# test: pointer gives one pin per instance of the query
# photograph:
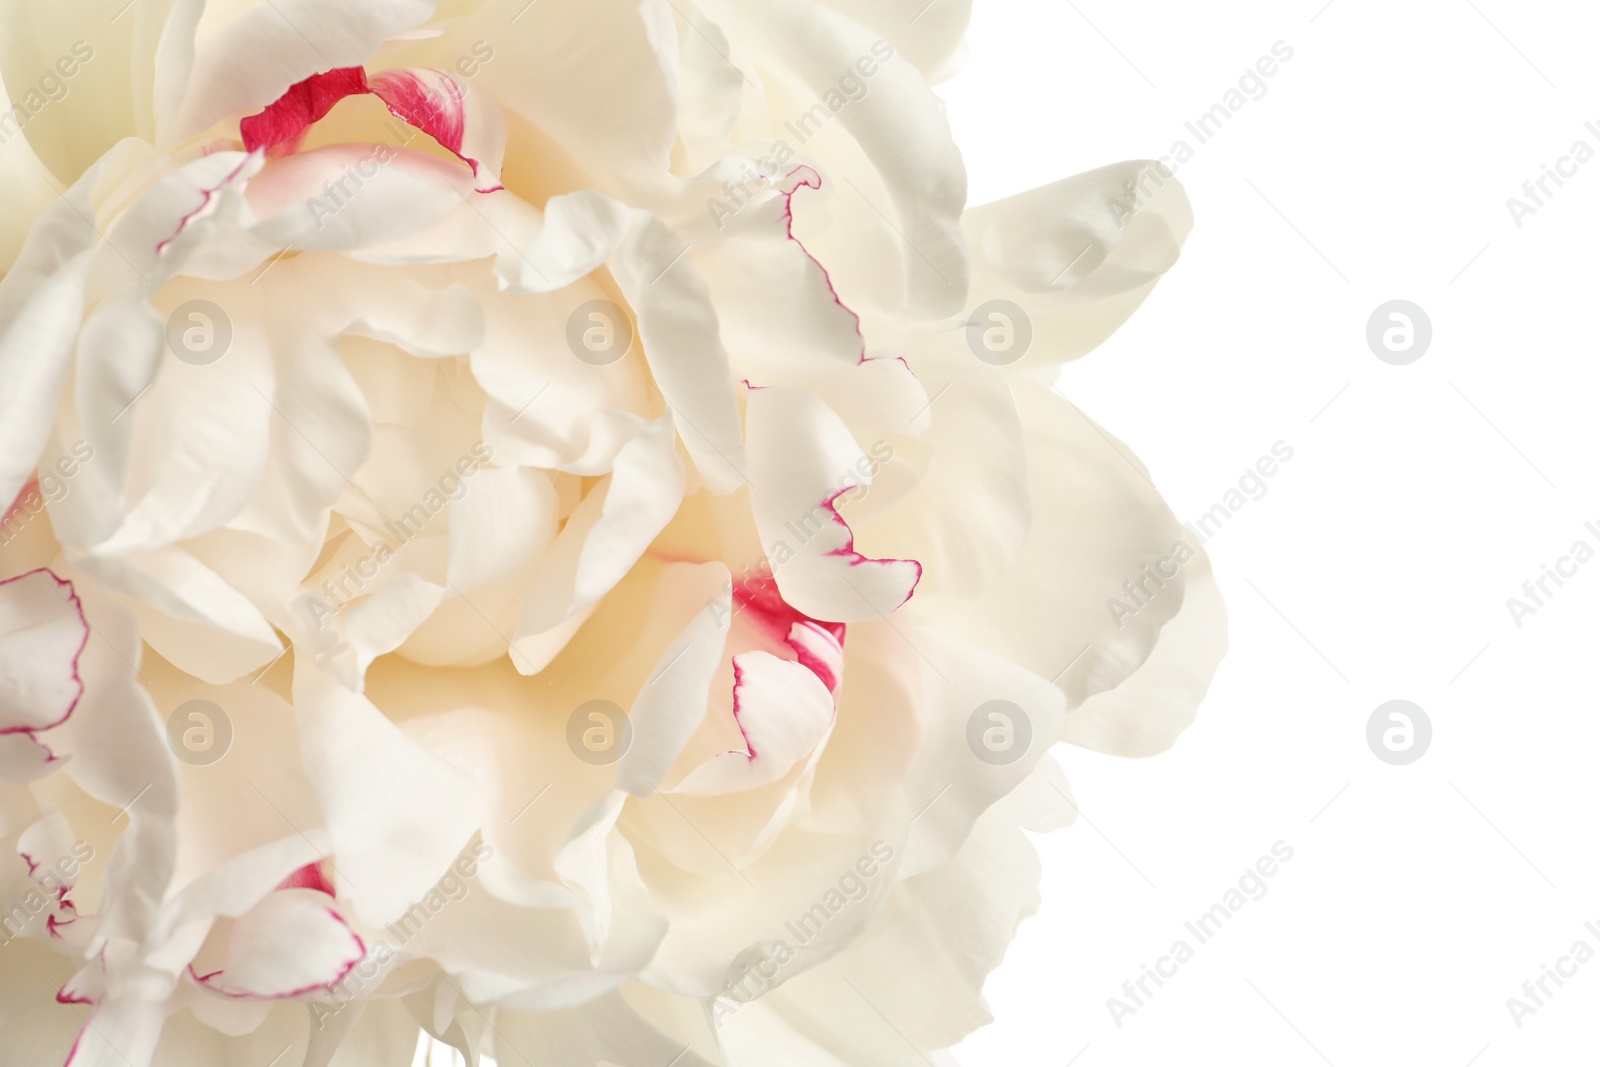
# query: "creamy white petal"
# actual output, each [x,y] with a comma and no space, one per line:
[1079,256]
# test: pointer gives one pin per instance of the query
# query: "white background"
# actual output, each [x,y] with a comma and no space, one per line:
[1378,564]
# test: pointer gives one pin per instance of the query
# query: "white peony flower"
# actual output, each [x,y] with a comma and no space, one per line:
[546,525]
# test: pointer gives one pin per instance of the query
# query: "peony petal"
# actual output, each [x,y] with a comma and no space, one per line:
[969,515]
[399,193]
[24,758]
[899,126]
[802,460]
[606,99]
[1099,527]
[290,944]
[609,1029]
[784,712]
[968,683]
[1079,256]
[119,1031]
[433,101]
[1149,709]
[933,39]
[254,59]
[189,614]
[466,123]
[670,706]
[119,756]
[26,186]
[280,128]
[500,526]
[602,540]
[776,302]
[391,846]
[43,633]
[119,352]
[47,847]
[35,354]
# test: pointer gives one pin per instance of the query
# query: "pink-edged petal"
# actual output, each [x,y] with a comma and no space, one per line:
[784,712]
[47,848]
[914,172]
[814,279]
[310,876]
[290,944]
[776,303]
[24,758]
[467,124]
[42,635]
[285,121]
[88,986]
[802,460]
[817,646]
[243,64]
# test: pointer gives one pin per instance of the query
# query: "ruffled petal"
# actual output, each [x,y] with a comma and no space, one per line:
[802,460]
[42,636]
[290,944]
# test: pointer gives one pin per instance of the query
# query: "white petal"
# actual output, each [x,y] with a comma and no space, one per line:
[1148,710]
[670,707]
[607,99]
[502,524]
[784,712]
[1060,607]
[35,353]
[42,635]
[397,815]
[391,196]
[118,754]
[120,1031]
[290,944]
[900,128]
[1076,267]
[603,539]
[802,458]
[119,352]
